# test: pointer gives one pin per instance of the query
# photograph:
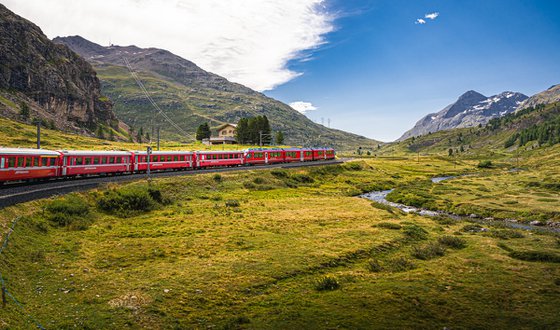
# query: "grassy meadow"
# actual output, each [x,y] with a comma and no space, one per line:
[285,249]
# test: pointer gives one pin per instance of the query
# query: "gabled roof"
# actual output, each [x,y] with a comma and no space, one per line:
[225,125]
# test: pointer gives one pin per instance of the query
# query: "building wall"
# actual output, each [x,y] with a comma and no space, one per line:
[227,131]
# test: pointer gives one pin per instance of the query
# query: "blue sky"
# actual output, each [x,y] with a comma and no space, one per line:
[380,71]
[367,65]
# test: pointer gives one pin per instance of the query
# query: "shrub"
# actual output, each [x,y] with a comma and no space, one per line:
[71,212]
[249,185]
[535,256]
[382,206]
[353,166]
[302,178]
[279,173]
[258,180]
[130,200]
[484,164]
[415,232]
[452,242]
[506,234]
[232,203]
[401,264]
[327,282]
[429,251]
[374,266]
[472,228]
[217,177]
[389,225]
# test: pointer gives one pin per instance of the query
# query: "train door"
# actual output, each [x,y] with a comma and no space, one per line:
[266,157]
[325,154]
[64,164]
[136,163]
[301,153]
[2,162]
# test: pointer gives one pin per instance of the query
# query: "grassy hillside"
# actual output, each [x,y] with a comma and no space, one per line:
[278,249]
[190,107]
[20,135]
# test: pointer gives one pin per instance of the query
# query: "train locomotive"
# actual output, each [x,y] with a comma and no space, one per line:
[17,164]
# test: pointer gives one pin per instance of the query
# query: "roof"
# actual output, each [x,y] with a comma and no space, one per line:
[27,151]
[164,152]
[221,152]
[225,125]
[95,153]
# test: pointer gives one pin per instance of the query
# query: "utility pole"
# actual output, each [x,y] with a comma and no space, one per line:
[38,133]
[158,138]
[148,153]
[260,139]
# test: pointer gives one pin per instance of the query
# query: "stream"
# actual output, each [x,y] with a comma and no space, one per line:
[380,197]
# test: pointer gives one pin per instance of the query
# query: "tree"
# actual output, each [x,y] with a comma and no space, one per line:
[462,149]
[279,137]
[100,132]
[24,110]
[111,135]
[265,130]
[148,136]
[203,132]
[139,135]
[450,152]
[242,131]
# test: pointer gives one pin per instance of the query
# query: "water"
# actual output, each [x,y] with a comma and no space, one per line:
[381,197]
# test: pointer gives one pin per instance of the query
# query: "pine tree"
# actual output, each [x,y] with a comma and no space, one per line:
[279,137]
[450,151]
[242,131]
[24,111]
[100,132]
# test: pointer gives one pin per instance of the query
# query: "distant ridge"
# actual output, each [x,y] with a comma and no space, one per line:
[471,109]
[548,96]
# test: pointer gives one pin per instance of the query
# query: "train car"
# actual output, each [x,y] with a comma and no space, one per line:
[264,156]
[329,153]
[319,154]
[28,164]
[293,155]
[163,160]
[82,163]
[218,158]
[307,154]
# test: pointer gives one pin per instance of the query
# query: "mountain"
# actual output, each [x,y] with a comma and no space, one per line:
[47,79]
[470,110]
[191,96]
[550,95]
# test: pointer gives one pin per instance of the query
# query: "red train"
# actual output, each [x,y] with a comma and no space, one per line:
[39,164]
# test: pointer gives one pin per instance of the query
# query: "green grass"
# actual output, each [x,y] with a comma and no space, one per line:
[212,252]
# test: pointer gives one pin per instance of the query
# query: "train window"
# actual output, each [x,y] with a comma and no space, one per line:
[79,161]
[118,160]
[111,160]
[175,158]
[44,162]
[35,161]
[20,161]
[2,164]
[12,162]
[169,158]
[87,161]
[103,160]
[96,160]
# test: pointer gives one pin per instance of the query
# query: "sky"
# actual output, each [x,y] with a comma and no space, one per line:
[370,67]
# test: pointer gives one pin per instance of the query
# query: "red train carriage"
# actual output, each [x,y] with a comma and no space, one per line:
[307,154]
[163,160]
[27,164]
[264,156]
[218,158]
[95,162]
[319,154]
[293,155]
[329,153]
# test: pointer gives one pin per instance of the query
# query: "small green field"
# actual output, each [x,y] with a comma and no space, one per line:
[281,249]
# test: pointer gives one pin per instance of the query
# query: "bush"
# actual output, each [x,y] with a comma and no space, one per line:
[506,234]
[232,203]
[401,264]
[353,166]
[382,206]
[452,242]
[72,212]
[279,173]
[535,256]
[389,225]
[327,282]
[258,180]
[374,266]
[217,177]
[472,228]
[130,200]
[484,164]
[415,232]
[428,251]
[302,178]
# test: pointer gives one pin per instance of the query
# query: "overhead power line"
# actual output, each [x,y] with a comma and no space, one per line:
[159,111]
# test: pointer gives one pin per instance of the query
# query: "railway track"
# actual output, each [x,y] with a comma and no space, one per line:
[13,194]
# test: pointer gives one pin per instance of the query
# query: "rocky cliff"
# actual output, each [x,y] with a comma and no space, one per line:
[55,82]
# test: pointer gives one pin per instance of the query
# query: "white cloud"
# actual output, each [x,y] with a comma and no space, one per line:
[302,106]
[246,41]
[420,21]
[432,16]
